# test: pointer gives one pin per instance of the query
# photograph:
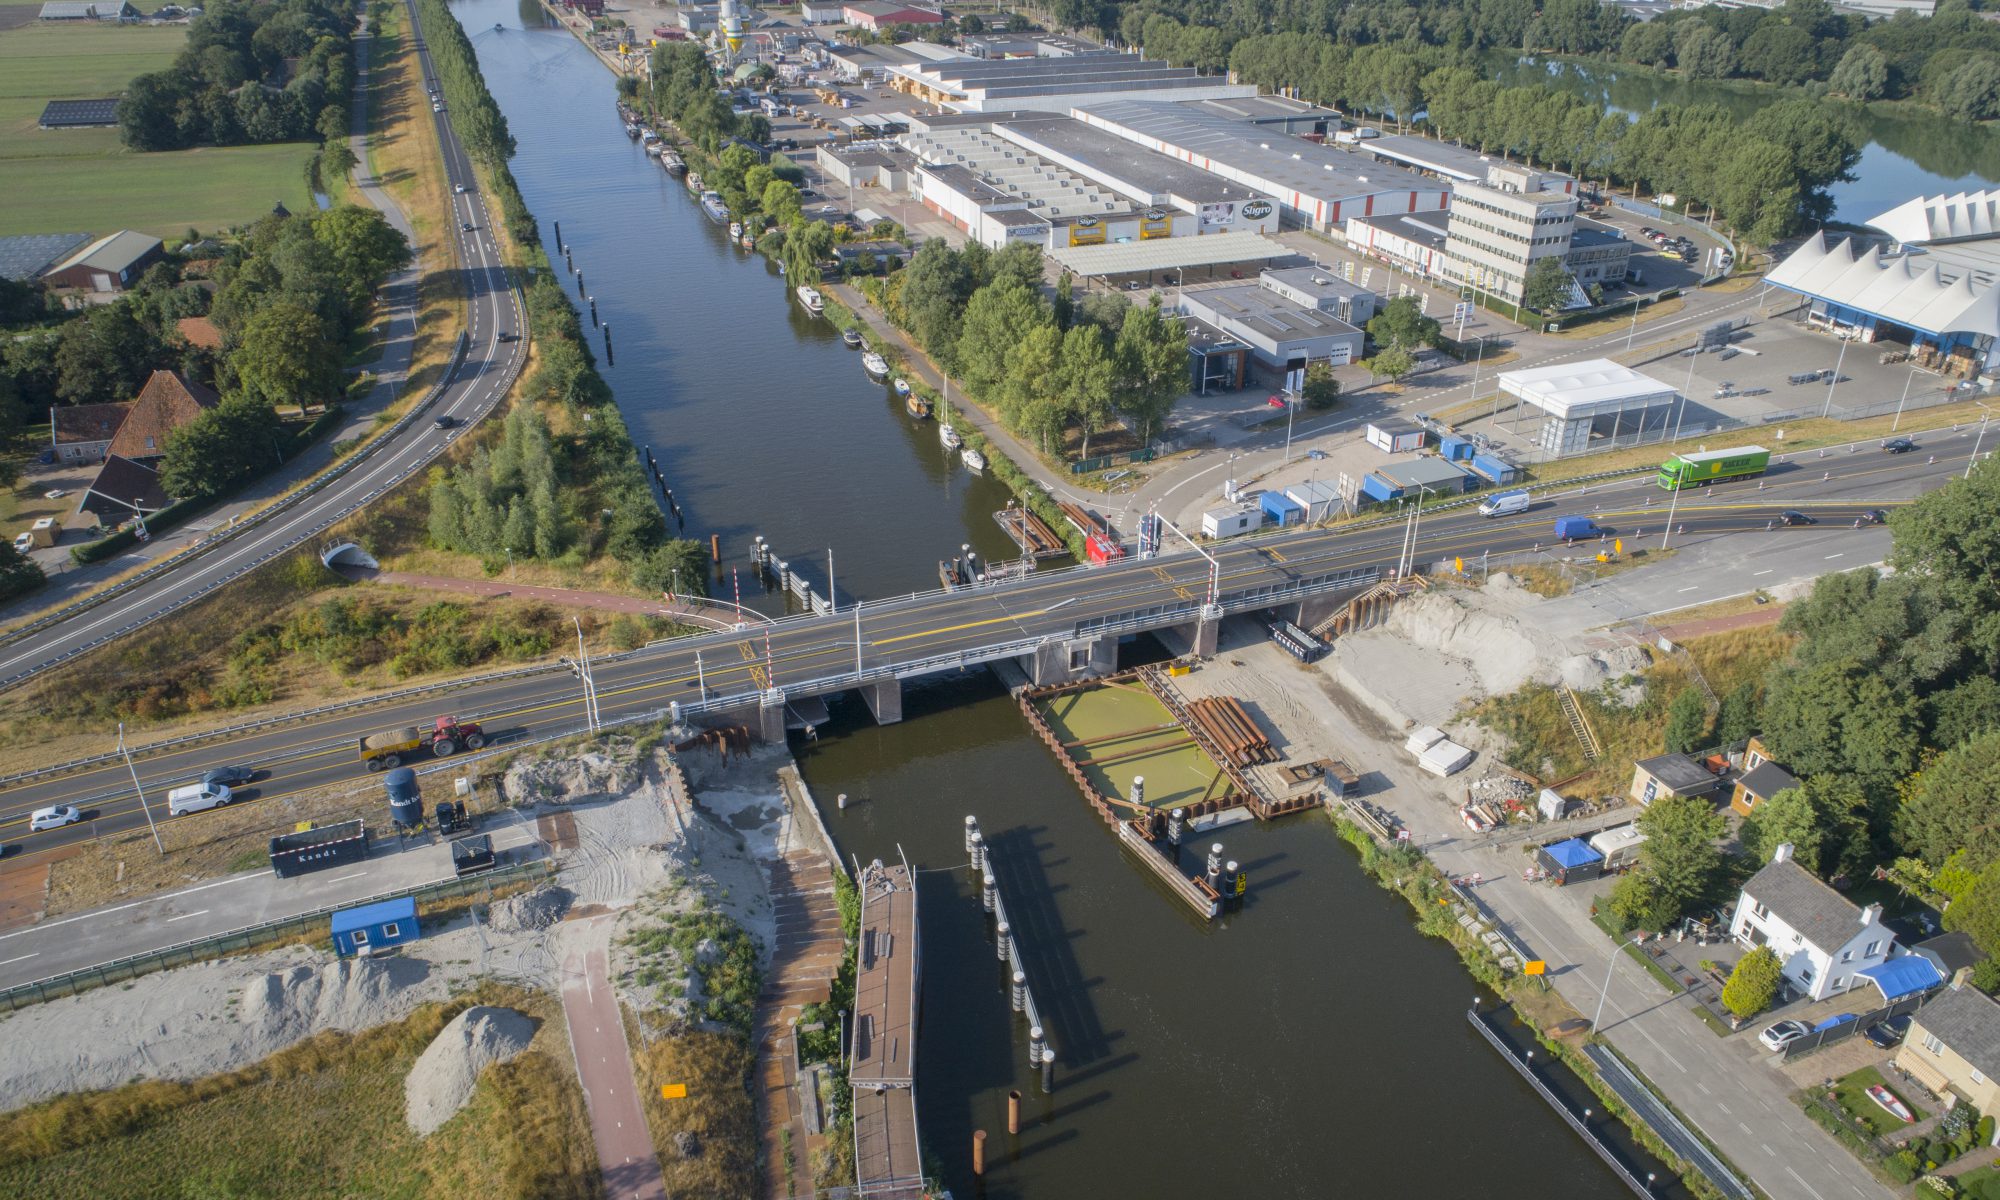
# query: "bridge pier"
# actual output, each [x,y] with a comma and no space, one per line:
[1067,661]
[1195,639]
[771,716]
[885,700]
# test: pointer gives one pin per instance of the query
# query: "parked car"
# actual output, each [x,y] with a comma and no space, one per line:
[1646,231]
[229,776]
[1899,445]
[1782,1034]
[1793,516]
[24,542]
[55,816]
[1887,1034]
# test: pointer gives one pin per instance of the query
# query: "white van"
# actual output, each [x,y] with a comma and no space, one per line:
[196,797]
[1504,504]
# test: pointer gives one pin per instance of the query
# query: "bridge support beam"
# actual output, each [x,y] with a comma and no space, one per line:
[1196,639]
[1066,661]
[771,716]
[885,700]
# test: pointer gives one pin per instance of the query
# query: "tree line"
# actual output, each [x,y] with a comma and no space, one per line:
[1040,364]
[475,116]
[250,72]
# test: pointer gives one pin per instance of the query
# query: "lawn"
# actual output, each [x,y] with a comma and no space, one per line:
[84,180]
[324,1118]
[1851,1093]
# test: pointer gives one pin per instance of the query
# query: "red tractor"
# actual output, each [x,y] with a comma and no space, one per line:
[447,735]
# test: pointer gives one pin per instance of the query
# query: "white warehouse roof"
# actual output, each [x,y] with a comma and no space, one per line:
[1906,289]
[1943,218]
[1166,254]
[1585,389]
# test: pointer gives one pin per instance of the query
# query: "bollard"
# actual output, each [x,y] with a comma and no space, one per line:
[1048,1068]
[971,822]
[840,802]
[989,892]
[979,1152]
[1014,1111]
[1005,931]
[978,851]
[1174,820]
[1035,1045]
[1215,866]
[1020,994]
[1138,790]
[715,546]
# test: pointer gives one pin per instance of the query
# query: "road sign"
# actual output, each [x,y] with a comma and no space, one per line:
[1458,565]
[1535,967]
[673,1091]
[1618,546]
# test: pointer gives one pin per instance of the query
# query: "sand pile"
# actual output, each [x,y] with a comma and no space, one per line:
[566,780]
[352,993]
[444,1075]
[530,911]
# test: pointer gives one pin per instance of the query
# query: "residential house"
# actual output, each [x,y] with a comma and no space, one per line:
[122,490]
[168,401]
[1820,937]
[1670,775]
[1757,785]
[109,264]
[1953,954]
[81,433]
[1953,1047]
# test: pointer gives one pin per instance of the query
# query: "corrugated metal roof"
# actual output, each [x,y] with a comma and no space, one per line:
[1935,295]
[1585,388]
[1165,254]
[112,253]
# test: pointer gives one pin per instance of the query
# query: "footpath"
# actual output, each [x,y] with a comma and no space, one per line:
[395,336]
[625,1152]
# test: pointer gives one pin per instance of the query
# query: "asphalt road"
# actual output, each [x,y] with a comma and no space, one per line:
[475,387]
[312,752]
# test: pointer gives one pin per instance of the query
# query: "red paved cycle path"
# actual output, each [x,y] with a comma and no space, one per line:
[604,1065]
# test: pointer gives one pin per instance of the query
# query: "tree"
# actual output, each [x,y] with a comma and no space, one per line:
[1322,390]
[19,574]
[1976,910]
[1778,53]
[365,249]
[1703,52]
[931,298]
[219,449]
[1687,722]
[103,356]
[1401,322]
[1679,855]
[1754,983]
[1736,720]
[1971,92]
[1394,362]
[286,357]
[680,566]
[1949,805]
[1825,819]
[1085,376]
[1152,367]
[1637,903]
[780,202]
[807,246]
[996,320]
[1649,43]
[1547,286]
[1863,73]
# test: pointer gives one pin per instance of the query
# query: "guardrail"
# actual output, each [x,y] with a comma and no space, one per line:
[248,937]
[1584,1131]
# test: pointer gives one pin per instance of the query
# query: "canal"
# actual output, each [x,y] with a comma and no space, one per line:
[1312,1044]
[1907,151]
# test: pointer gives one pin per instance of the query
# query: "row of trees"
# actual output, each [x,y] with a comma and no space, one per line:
[250,72]
[1766,175]
[1040,365]
[475,116]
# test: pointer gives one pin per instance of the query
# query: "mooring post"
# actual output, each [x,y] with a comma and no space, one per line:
[610,357]
[1138,791]
[593,312]
[971,824]
[579,283]
[979,1152]
[989,891]
[1215,867]
[1235,876]
[1174,820]
[1014,1111]
[978,851]
[1020,993]
[1048,1068]
[559,241]
[1004,935]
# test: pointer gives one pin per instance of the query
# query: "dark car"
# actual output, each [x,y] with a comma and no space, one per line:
[466,226]
[446,422]
[1886,1034]
[507,336]
[1793,516]
[1874,516]
[229,776]
[1899,445]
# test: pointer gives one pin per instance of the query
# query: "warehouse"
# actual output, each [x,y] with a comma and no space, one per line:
[1055,85]
[1585,402]
[879,164]
[1439,159]
[1318,288]
[1174,194]
[1282,334]
[1315,187]
[109,264]
[1172,261]
[1410,241]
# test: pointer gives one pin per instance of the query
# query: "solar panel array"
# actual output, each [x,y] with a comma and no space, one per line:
[76,114]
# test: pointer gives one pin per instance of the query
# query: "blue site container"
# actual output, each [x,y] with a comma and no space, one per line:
[1455,448]
[1499,470]
[371,927]
[1282,509]
[1375,487]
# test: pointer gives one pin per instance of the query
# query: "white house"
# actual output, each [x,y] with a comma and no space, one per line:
[1821,938]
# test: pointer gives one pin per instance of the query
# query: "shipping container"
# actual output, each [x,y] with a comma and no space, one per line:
[1375,487]
[1232,520]
[317,849]
[1393,438]
[1495,469]
[1455,448]
[1282,509]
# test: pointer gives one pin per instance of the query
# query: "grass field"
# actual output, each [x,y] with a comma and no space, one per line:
[324,1118]
[1122,721]
[83,180]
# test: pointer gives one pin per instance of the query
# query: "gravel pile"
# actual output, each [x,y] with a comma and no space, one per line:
[351,993]
[444,1075]
[566,780]
[530,911]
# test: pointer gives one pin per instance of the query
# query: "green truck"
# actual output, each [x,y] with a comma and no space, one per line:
[1713,466]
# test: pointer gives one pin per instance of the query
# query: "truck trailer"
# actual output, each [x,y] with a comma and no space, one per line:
[382,751]
[1713,466]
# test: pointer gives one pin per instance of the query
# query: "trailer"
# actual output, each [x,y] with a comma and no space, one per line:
[317,848]
[470,856]
[1713,466]
[1296,642]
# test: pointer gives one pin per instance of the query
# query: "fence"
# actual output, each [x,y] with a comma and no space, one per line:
[1835,1034]
[249,937]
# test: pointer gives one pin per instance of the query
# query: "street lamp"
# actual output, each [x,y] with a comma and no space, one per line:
[1416,517]
[1634,331]
[1841,358]
[1603,992]
[584,673]
[1905,400]
[1976,441]
[139,791]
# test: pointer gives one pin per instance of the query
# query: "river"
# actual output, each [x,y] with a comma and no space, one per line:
[1312,1044]
[1908,151]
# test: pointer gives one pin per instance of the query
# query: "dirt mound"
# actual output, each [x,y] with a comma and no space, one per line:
[530,911]
[444,1075]
[282,1007]
[588,776]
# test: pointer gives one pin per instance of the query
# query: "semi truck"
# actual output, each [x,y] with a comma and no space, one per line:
[446,736]
[1713,466]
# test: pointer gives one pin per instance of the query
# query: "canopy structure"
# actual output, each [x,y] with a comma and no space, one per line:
[1909,975]
[1572,854]
[1910,289]
[1583,402]
[1168,254]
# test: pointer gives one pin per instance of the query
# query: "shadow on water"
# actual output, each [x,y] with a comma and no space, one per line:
[1045,944]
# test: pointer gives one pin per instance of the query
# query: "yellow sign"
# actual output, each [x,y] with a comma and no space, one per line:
[1536,967]
[1156,224]
[1458,565]
[673,1091]
[1618,546]
[1087,232]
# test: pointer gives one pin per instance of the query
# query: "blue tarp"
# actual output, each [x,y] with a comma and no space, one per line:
[1572,854]
[1900,977]
[1830,1022]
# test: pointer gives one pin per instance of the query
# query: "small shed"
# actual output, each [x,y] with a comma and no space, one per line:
[1320,499]
[371,927]
[1572,861]
[1759,784]
[1231,520]
[1620,846]
[1551,804]
[1282,509]
[1669,775]
[1395,437]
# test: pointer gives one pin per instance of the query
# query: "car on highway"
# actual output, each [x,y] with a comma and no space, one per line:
[508,336]
[197,797]
[232,776]
[55,816]
[446,422]
[461,189]
[1874,516]
[1793,516]
[1886,1034]
[1783,1034]
[1899,445]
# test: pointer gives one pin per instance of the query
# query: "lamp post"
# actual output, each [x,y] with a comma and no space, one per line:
[1671,506]
[140,792]
[1603,992]
[1416,518]
[583,672]
[1976,441]
[1905,400]
[1634,331]
[1841,358]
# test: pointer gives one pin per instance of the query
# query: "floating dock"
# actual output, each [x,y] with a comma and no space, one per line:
[882,1058]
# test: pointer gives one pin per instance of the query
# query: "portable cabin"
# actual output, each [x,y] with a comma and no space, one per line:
[371,927]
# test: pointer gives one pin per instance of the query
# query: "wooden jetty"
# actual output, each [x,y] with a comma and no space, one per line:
[882,1059]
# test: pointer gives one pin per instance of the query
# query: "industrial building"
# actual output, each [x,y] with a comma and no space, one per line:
[1931,289]
[1583,402]
[877,15]
[1028,45]
[1055,84]
[881,164]
[1319,288]
[1498,229]
[1315,187]
[1282,334]
[1412,242]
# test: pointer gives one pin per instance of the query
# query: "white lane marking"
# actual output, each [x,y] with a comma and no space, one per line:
[1842,554]
[1690,589]
[105,912]
[345,878]
[185,916]
[1802,1183]
[22,958]
[1765,571]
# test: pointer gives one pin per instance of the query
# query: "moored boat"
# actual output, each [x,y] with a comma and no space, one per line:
[736,229]
[631,131]
[810,297]
[972,458]
[902,387]
[711,203]
[852,337]
[673,162]
[1890,1104]
[949,436]
[875,365]
[917,406]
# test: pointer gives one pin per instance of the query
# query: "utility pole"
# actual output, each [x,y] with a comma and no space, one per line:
[1841,358]
[1977,441]
[583,673]
[1905,400]
[140,792]
[1671,505]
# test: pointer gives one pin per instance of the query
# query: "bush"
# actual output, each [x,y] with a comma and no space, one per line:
[1984,1132]
[1901,1166]
[1753,984]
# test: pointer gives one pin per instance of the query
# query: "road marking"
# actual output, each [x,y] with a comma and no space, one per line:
[1704,1088]
[1690,589]
[1765,571]
[105,912]
[345,878]
[185,916]
[1802,1183]
[1842,554]
[22,958]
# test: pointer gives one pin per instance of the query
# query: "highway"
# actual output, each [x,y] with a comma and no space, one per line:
[473,389]
[311,752]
